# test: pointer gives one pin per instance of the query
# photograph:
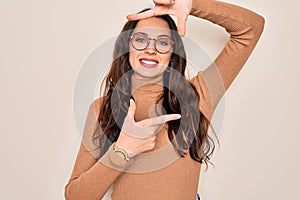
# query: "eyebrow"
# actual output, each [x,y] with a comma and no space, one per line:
[163,35]
[169,36]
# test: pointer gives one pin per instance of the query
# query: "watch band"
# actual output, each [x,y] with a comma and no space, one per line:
[121,152]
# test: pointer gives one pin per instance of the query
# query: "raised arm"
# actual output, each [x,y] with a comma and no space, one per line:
[244,27]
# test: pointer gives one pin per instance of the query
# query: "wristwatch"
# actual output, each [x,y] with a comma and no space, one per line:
[121,152]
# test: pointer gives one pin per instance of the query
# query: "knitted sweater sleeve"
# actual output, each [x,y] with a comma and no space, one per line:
[91,177]
[245,28]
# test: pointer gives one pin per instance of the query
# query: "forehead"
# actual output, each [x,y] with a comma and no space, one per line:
[153,27]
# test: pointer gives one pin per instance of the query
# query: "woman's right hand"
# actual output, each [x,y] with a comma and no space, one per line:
[179,8]
[137,137]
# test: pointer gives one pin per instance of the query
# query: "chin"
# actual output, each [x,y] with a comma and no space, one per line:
[149,72]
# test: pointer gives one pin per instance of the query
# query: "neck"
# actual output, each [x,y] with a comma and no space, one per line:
[138,81]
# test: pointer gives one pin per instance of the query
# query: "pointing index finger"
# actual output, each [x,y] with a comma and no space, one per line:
[143,15]
[164,2]
[164,118]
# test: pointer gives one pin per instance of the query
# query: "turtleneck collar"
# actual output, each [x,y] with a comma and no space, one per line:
[154,84]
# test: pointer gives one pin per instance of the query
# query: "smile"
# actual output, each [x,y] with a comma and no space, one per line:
[149,63]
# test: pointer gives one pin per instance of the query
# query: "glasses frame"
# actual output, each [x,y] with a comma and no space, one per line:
[148,42]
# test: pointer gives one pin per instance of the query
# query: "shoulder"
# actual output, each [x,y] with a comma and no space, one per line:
[96,105]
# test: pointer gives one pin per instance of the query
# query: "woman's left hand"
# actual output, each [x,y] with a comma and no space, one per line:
[179,8]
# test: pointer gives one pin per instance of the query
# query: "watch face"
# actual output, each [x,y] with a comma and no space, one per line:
[121,154]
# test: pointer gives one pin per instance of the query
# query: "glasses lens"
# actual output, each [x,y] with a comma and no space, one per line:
[163,44]
[139,41]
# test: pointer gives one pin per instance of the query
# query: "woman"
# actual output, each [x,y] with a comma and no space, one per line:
[159,155]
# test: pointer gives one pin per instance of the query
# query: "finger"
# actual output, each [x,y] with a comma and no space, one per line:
[152,138]
[131,109]
[143,15]
[154,130]
[182,25]
[156,11]
[164,2]
[144,123]
[147,129]
[163,119]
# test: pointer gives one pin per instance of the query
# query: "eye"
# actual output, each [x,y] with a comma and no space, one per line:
[163,42]
[140,39]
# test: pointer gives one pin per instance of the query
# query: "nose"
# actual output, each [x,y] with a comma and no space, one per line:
[151,47]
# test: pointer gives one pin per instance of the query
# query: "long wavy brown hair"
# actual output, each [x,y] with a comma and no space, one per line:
[189,134]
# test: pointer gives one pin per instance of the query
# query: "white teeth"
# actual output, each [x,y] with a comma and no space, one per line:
[148,62]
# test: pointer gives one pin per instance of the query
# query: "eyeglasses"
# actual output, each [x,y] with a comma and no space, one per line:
[140,41]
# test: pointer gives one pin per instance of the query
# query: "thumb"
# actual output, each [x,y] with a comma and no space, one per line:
[131,109]
[182,25]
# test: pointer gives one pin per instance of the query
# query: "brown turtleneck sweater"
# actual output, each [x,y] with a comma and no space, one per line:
[164,175]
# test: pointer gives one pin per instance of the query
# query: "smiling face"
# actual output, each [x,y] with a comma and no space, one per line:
[150,63]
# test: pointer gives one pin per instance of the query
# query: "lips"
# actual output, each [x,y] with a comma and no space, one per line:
[148,62]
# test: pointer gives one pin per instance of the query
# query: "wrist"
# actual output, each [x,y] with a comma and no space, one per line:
[121,152]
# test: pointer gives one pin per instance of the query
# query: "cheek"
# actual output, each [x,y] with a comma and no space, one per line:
[166,59]
[132,60]
[132,55]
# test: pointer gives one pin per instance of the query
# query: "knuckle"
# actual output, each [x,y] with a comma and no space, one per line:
[152,145]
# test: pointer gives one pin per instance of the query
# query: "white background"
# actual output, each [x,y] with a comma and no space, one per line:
[42,47]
